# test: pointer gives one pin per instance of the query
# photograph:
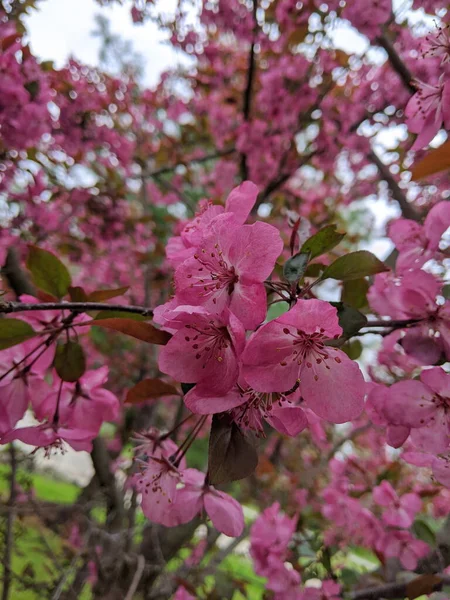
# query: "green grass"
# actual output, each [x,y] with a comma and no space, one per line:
[44,486]
[39,555]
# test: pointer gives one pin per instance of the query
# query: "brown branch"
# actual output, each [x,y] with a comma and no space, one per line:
[114,497]
[192,161]
[9,535]
[391,590]
[248,88]
[396,62]
[397,193]
[14,307]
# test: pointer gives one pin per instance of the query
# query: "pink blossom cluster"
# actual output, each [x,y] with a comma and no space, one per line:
[270,537]
[221,266]
[24,92]
[66,412]
[173,494]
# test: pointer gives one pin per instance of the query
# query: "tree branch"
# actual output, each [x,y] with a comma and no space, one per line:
[391,590]
[396,62]
[248,88]
[14,307]
[192,161]
[397,193]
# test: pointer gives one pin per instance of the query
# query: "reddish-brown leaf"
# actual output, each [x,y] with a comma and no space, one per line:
[149,389]
[435,161]
[141,330]
[422,586]
[101,295]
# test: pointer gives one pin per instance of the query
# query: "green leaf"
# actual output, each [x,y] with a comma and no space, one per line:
[70,362]
[295,267]
[423,532]
[314,269]
[101,295]
[48,272]
[231,457]
[77,294]
[352,349]
[276,310]
[322,241]
[13,332]
[354,266]
[350,319]
[354,293]
[119,314]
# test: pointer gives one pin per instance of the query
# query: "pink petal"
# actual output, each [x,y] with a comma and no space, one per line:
[209,405]
[306,316]
[434,436]
[437,380]
[288,420]
[241,200]
[249,303]
[437,222]
[384,494]
[409,403]
[225,513]
[335,388]
[254,250]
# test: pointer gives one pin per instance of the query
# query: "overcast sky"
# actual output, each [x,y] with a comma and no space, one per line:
[62,28]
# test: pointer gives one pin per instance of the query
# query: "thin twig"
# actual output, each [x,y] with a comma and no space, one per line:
[137,578]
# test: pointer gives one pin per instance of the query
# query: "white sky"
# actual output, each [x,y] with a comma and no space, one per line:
[62,28]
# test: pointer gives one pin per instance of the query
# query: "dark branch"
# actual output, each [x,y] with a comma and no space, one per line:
[391,590]
[192,161]
[397,193]
[397,64]
[80,307]
[249,87]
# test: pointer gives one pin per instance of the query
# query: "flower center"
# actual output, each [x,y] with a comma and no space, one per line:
[218,274]
[209,341]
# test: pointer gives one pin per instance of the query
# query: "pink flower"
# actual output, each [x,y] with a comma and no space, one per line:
[204,350]
[425,407]
[270,535]
[292,349]
[228,269]
[400,511]
[183,594]
[239,203]
[427,110]
[249,408]
[51,436]
[419,243]
[158,485]
[396,435]
[401,545]
[84,405]
[438,44]
[224,511]
[439,464]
